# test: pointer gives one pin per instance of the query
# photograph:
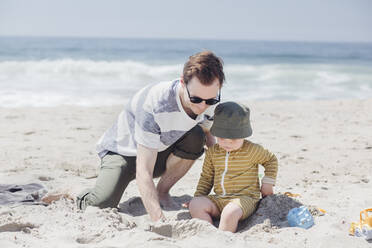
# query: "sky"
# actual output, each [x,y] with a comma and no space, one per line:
[312,20]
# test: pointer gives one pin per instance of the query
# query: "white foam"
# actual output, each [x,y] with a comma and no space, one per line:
[95,83]
[298,81]
[77,82]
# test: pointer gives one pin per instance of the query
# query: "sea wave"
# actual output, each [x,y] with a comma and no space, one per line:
[95,83]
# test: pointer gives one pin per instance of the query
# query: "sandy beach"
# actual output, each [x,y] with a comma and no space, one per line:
[325,155]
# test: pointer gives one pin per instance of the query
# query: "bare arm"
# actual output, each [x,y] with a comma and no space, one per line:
[211,140]
[205,183]
[270,163]
[146,158]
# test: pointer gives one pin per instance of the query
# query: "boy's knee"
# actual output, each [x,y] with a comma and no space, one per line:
[232,211]
[193,205]
[201,204]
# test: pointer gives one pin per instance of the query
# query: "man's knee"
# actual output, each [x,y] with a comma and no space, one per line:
[191,146]
[196,136]
[113,178]
[90,197]
[81,199]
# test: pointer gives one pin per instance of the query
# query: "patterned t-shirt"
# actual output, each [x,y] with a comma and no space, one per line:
[154,118]
[235,173]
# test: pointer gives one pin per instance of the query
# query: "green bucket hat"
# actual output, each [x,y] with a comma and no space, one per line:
[231,121]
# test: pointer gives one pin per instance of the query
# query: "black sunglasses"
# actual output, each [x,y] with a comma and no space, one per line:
[210,101]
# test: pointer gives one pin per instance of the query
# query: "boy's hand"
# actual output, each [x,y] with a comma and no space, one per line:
[267,189]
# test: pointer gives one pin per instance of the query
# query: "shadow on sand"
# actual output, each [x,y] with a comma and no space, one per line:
[271,212]
[135,207]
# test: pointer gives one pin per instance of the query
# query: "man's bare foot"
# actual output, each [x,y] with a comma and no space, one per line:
[55,197]
[167,203]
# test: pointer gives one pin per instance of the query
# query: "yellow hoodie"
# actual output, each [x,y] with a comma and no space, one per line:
[235,173]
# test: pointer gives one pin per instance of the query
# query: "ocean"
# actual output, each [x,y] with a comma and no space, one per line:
[42,71]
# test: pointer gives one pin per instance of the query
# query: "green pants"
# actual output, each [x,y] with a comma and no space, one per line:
[117,171]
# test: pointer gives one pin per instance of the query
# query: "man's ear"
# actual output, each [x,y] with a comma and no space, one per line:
[182,81]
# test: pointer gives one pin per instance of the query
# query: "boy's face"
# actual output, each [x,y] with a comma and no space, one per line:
[230,144]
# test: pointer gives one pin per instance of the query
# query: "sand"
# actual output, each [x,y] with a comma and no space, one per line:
[325,155]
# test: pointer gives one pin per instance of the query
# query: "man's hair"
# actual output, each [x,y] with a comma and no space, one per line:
[206,66]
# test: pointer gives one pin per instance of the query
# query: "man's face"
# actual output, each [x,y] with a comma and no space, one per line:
[197,89]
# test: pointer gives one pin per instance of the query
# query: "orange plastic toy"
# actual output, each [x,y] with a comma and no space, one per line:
[364,227]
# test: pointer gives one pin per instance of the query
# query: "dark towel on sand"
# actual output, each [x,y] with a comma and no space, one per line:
[22,194]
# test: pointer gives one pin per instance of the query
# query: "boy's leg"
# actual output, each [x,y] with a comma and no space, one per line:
[114,176]
[237,209]
[203,208]
[178,161]
[230,216]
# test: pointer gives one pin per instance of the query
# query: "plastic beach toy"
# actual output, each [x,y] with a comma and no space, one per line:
[364,227]
[289,194]
[300,217]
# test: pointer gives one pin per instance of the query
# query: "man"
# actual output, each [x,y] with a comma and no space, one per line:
[161,132]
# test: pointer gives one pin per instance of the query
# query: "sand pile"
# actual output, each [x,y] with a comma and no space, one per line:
[62,221]
[271,214]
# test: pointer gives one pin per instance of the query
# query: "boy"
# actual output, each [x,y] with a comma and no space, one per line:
[231,167]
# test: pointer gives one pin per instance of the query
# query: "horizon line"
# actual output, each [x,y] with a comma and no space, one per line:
[179,38]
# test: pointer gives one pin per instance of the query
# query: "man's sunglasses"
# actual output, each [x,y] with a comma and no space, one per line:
[210,101]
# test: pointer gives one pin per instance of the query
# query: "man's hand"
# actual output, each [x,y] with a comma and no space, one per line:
[146,159]
[267,189]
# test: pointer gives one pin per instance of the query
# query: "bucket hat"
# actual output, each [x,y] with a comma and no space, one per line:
[231,121]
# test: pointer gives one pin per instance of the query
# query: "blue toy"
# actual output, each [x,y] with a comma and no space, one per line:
[300,217]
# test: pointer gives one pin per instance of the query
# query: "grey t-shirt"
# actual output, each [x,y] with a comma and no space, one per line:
[154,118]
